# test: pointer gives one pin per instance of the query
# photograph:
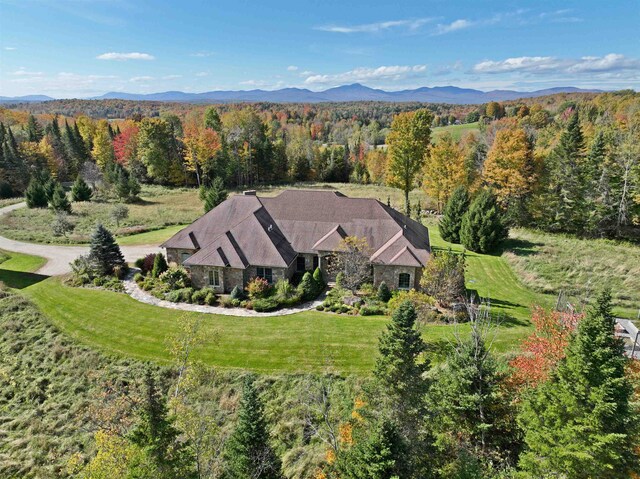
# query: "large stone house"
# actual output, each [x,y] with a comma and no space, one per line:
[275,237]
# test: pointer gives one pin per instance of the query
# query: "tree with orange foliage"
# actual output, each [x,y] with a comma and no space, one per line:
[544,348]
[201,145]
[125,143]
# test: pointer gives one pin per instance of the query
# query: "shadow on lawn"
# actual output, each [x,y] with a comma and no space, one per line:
[20,280]
[518,247]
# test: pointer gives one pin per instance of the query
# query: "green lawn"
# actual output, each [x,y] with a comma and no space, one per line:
[309,341]
[457,131]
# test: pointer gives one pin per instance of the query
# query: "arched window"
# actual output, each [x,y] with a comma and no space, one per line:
[404,281]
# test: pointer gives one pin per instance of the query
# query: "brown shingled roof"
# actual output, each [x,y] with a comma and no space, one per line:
[271,231]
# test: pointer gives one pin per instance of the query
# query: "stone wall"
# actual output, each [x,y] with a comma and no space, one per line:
[276,273]
[389,274]
[174,255]
[229,278]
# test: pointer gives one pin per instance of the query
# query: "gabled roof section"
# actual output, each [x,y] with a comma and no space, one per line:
[331,240]
[405,257]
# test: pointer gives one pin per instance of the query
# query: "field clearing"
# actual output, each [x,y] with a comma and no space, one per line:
[10,201]
[550,263]
[457,131]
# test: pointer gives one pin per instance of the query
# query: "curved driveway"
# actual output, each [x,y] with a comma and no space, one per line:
[58,256]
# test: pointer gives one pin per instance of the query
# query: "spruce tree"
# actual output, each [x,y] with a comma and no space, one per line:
[213,195]
[59,201]
[80,190]
[483,226]
[33,129]
[378,453]
[454,210]
[248,452]
[36,196]
[400,386]
[155,433]
[566,181]
[384,294]
[105,251]
[579,423]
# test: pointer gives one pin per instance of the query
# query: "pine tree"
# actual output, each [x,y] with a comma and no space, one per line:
[34,130]
[483,225]
[59,201]
[451,220]
[80,190]
[579,423]
[105,251]
[213,195]
[248,453]
[36,196]
[158,437]
[384,294]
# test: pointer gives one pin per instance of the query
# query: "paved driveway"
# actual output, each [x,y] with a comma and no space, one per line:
[58,257]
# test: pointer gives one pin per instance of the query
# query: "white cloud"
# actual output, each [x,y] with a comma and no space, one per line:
[201,54]
[377,27]
[23,72]
[454,26]
[613,62]
[254,83]
[202,74]
[140,79]
[171,77]
[9,49]
[125,56]
[292,68]
[394,72]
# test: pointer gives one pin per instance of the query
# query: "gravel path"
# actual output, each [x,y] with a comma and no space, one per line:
[138,294]
[58,257]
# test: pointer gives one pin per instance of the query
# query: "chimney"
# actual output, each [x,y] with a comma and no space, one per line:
[249,193]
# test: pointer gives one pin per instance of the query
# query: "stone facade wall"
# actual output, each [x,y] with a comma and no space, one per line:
[174,255]
[276,273]
[229,278]
[308,261]
[390,274]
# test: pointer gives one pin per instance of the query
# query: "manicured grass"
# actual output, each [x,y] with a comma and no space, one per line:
[457,131]
[155,237]
[17,270]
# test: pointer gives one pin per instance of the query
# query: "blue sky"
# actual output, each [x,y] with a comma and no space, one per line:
[80,48]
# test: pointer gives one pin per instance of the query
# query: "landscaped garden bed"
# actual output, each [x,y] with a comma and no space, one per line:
[173,283]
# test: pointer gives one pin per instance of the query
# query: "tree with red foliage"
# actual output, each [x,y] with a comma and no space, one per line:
[125,143]
[544,348]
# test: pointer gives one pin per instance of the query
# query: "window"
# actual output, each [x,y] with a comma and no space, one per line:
[315,262]
[301,264]
[214,277]
[184,257]
[265,273]
[404,281]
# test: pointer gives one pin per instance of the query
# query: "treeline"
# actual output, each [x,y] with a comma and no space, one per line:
[557,163]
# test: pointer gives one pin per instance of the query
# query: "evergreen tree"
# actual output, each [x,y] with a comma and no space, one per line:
[214,195]
[483,226]
[378,453]
[105,251]
[579,423]
[471,414]
[566,182]
[454,211]
[59,201]
[156,435]
[134,187]
[212,119]
[80,190]
[36,196]
[400,385]
[248,453]
[384,294]
[159,265]
[33,129]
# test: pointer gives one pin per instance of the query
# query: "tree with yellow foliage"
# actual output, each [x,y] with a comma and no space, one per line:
[103,146]
[511,168]
[444,170]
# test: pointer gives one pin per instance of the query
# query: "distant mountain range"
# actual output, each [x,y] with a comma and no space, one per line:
[354,92]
